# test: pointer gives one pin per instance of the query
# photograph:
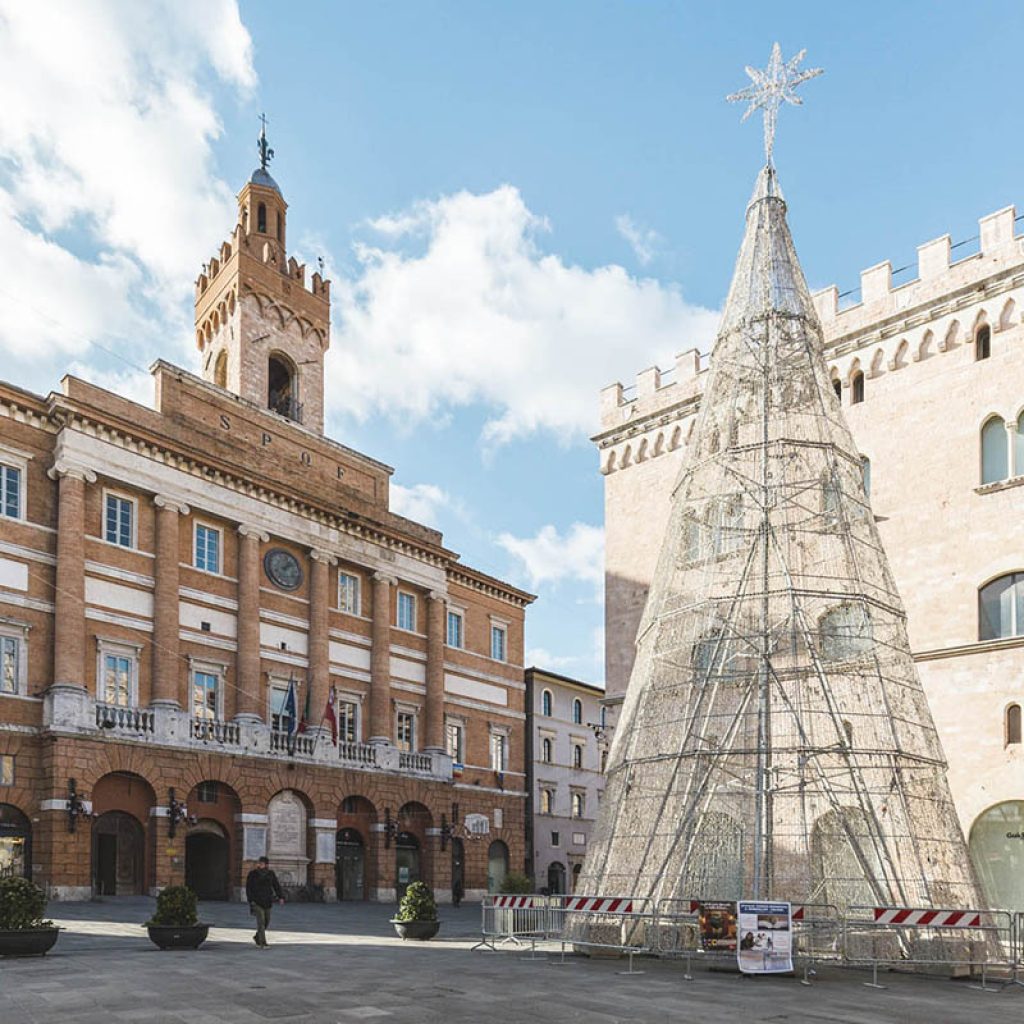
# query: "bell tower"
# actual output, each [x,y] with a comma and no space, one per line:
[261,331]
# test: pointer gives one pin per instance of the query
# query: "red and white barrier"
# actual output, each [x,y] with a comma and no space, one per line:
[513,902]
[931,918]
[599,905]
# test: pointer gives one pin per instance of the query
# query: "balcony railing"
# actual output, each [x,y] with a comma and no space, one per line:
[363,755]
[285,743]
[211,730]
[122,719]
[410,761]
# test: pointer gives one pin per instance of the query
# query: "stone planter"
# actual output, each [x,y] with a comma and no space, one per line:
[27,941]
[419,930]
[171,936]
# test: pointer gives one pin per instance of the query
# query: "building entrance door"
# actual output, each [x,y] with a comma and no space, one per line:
[556,878]
[407,862]
[458,871]
[206,861]
[15,843]
[117,855]
[350,865]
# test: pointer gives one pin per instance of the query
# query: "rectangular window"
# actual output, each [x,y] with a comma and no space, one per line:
[498,643]
[10,664]
[117,528]
[556,839]
[205,686]
[405,732]
[407,611]
[279,721]
[499,751]
[348,593]
[207,548]
[455,629]
[455,737]
[118,672]
[348,722]
[579,839]
[10,491]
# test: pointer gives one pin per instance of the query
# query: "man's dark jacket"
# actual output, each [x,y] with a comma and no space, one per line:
[262,887]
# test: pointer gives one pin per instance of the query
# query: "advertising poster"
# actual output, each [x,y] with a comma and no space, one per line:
[717,923]
[766,938]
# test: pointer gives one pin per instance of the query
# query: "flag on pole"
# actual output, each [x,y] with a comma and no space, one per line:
[290,707]
[330,716]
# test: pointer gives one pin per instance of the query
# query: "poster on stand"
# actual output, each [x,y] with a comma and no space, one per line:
[766,937]
[717,923]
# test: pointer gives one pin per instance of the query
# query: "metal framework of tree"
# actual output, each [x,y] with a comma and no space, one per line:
[775,740]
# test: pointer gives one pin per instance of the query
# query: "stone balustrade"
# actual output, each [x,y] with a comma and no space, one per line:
[71,710]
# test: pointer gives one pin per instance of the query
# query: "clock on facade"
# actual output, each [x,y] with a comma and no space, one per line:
[282,569]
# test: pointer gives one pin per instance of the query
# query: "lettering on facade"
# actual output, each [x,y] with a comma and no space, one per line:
[254,842]
[266,438]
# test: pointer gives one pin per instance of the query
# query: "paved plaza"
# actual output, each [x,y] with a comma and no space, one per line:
[341,963]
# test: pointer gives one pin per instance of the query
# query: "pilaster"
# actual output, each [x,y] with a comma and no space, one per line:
[249,704]
[319,635]
[170,684]
[380,660]
[434,705]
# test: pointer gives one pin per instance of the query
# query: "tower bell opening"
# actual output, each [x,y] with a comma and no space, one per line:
[281,390]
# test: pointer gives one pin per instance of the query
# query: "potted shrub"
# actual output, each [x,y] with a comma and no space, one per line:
[175,924]
[23,932]
[417,914]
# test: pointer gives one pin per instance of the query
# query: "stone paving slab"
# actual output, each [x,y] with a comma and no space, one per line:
[341,963]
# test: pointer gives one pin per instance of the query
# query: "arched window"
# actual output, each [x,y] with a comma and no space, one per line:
[577,711]
[865,471]
[1001,607]
[261,218]
[983,342]
[281,396]
[280,225]
[845,633]
[545,750]
[994,455]
[1013,724]
[577,756]
[837,387]
[1018,447]
[545,703]
[857,388]
[220,370]
[578,805]
[547,801]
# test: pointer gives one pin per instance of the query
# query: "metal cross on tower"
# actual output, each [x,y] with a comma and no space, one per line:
[266,153]
[772,85]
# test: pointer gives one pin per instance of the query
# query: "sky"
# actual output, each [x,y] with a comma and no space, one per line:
[518,203]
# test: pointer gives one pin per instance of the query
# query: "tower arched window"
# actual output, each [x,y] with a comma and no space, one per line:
[261,218]
[1013,729]
[1018,447]
[220,370]
[994,454]
[983,342]
[546,750]
[1001,607]
[865,472]
[545,704]
[837,387]
[857,388]
[577,711]
[279,220]
[281,390]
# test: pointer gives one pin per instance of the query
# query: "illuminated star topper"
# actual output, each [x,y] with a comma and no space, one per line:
[770,87]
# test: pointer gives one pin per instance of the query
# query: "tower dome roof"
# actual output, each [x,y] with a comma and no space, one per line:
[261,177]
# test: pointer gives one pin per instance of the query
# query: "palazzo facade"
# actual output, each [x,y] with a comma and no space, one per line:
[930,372]
[168,574]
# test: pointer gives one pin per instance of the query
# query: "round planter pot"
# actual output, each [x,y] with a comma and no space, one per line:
[419,930]
[169,936]
[27,941]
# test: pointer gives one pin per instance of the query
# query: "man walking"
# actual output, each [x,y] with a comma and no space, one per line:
[261,889]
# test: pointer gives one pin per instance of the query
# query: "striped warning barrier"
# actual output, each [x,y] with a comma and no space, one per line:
[934,918]
[597,904]
[513,902]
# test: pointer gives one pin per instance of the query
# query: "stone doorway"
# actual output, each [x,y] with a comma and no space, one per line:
[407,862]
[15,843]
[117,855]
[206,861]
[350,865]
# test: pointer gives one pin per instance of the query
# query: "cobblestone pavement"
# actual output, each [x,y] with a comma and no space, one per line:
[342,963]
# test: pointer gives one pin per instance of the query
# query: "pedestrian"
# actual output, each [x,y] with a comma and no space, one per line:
[261,889]
[457,893]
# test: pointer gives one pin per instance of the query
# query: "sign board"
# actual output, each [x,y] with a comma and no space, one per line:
[254,841]
[478,824]
[766,937]
[716,922]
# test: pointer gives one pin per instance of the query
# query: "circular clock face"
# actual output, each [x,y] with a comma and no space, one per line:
[282,569]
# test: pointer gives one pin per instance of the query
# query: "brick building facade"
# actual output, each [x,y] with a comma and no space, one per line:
[167,574]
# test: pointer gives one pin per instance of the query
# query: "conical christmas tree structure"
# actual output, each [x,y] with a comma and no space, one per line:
[775,740]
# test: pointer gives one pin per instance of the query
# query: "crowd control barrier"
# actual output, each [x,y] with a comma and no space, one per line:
[978,940]
[517,920]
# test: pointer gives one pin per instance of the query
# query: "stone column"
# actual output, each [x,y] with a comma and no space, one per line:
[380,660]
[69,600]
[168,689]
[319,681]
[249,694]
[434,709]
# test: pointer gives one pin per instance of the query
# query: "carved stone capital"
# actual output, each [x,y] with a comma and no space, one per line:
[438,595]
[255,532]
[383,577]
[165,501]
[63,466]
[317,555]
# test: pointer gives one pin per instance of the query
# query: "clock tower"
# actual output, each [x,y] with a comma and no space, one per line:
[262,331]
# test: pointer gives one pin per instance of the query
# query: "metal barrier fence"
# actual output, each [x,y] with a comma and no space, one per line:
[930,936]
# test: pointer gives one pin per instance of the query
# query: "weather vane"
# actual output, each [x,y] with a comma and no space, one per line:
[770,87]
[266,153]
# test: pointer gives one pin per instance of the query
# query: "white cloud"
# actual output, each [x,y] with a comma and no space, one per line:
[135,385]
[643,241]
[551,558]
[457,303]
[108,201]
[420,502]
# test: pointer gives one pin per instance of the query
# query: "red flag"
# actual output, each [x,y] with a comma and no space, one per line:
[330,716]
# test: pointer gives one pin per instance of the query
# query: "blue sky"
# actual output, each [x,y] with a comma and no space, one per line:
[519,203]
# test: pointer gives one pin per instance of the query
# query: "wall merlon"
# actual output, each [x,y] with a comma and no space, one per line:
[687,365]
[826,303]
[876,282]
[648,381]
[933,257]
[611,399]
[996,230]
